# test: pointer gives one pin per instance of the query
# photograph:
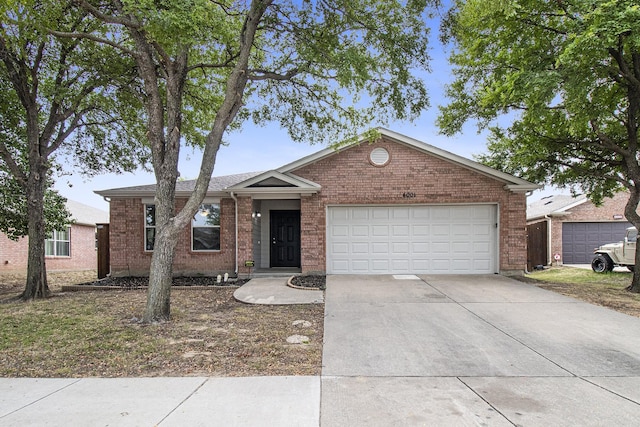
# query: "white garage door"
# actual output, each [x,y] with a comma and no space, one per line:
[456,239]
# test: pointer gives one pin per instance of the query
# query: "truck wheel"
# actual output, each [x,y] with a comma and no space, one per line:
[602,264]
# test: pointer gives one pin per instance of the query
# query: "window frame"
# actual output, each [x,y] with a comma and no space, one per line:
[54,238]
[216,204]
[148,227]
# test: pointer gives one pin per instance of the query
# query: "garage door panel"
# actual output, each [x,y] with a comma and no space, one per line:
[380,213]
[360,248]
[412,239]
[420,247]
[440,248]
[380,265]
[380,230]
[340,248]
[580,238]
[400,230]
[461,248]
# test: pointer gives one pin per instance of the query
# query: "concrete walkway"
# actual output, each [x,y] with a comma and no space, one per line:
[399,351]
[274,291]
[481,350]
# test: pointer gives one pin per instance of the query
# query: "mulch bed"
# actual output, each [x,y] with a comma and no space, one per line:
[303,281]
[310,281]
[143,282]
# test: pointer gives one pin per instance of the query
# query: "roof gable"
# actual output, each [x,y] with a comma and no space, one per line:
[511,182]
[276,181]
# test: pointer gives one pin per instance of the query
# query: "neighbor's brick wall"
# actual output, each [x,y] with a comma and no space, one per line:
[14,255]
[349,178]
[586,212]
[128,257]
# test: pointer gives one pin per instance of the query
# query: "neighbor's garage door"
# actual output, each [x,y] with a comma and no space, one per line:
[411,239]
[580,238]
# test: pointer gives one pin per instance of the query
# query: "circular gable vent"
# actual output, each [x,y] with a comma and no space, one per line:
[379,156]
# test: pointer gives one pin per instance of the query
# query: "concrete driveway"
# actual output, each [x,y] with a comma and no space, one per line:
[473,350]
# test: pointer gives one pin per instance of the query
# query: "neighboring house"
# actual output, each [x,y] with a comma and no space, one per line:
[565,229]
[393,206]
[71,249]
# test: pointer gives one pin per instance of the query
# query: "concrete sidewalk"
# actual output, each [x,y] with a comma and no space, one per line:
[254,401]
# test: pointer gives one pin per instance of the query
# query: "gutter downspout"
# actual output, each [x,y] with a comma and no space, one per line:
[235,199]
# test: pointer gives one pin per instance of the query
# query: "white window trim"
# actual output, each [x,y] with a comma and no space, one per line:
[55,241]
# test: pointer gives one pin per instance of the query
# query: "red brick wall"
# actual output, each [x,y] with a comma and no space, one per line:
[349,178]
[14,255]
[128,257]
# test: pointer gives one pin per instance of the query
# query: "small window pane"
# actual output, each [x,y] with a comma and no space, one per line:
[62,248]
[206,239]
[62,235]
[150,238]
[150,215]
[207,215]
[49,247]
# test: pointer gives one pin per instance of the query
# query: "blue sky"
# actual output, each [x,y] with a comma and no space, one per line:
[255,148]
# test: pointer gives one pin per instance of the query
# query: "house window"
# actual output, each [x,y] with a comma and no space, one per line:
[149,227]
[58,243]
[205,228]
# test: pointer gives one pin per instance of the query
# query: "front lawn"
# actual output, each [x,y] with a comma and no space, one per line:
[97,333]
[605,289]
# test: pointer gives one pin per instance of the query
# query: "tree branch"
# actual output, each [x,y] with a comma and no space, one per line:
[92,38]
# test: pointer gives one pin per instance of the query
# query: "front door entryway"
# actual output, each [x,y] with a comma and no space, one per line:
[285,238]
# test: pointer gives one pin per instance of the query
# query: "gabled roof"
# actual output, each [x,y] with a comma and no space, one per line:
[511,182]
[85,214]
[283,183]
[556,205]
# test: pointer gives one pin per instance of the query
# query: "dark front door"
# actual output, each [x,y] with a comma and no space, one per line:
[285,238]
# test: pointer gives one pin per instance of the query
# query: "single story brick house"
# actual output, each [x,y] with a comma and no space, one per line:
[568,228]
[391,206]
[71,249]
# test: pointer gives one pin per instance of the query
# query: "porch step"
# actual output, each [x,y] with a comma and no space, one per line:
[275,272]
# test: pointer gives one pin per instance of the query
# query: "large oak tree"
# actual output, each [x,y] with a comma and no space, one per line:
[58,97]
[558,85]
[324,70]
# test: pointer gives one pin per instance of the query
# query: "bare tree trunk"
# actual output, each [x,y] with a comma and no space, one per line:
[36,286]
[633,217]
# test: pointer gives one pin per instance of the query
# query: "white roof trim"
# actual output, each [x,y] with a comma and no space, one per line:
[513,183]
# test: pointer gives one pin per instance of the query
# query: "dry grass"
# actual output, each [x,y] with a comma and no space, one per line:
[80,334]
[606,289]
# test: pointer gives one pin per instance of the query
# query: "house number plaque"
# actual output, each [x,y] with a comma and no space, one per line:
[408,195]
